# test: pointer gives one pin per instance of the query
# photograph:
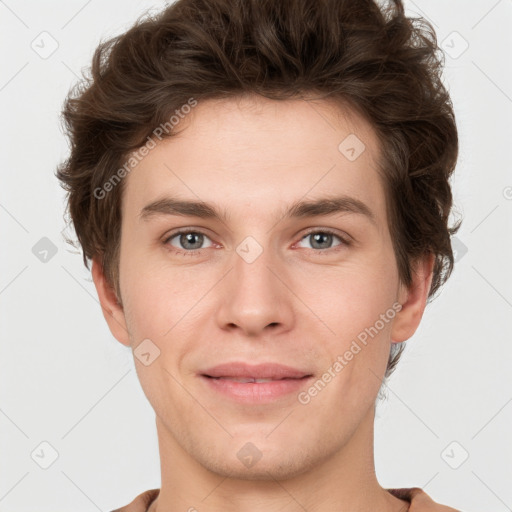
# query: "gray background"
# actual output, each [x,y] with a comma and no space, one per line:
[65,381]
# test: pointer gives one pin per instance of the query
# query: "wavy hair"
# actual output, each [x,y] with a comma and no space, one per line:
[370,56]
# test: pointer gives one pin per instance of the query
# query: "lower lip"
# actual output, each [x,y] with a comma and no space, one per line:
[256,392]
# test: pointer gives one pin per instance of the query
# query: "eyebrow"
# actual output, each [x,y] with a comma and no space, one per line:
[298,210]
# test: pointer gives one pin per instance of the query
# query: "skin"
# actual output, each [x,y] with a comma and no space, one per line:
[298,303]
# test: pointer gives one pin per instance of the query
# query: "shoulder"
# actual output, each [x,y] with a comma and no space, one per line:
[420,501]
[141,502]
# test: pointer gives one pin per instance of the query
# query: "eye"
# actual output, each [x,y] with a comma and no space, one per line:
[322,240]
[190,241]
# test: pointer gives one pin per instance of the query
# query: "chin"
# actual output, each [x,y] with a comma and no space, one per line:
[263,472]
[279,463]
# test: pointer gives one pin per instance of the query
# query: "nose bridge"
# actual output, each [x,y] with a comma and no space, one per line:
[255,284]
[251,266]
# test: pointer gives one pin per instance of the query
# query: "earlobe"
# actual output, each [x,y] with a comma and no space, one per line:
[413,300]
[112,310]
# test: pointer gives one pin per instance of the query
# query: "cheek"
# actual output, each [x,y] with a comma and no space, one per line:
[357,306]
[157,297]
[351,297]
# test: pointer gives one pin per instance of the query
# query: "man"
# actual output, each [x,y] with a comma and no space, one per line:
[303,149]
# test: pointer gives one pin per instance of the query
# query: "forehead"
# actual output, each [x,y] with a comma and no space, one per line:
[257,153]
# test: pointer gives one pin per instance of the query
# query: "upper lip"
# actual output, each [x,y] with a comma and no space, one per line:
[259,371]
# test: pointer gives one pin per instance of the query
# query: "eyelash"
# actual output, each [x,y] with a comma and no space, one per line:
[345,241]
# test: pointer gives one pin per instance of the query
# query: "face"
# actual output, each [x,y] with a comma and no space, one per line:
[317,292]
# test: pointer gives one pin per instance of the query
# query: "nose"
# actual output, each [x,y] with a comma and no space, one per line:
[254,297]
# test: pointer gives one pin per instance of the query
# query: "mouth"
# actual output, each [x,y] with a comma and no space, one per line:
[262,384]
[243,372]
[255,380]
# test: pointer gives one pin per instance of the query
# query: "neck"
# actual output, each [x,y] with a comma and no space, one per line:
[344,481]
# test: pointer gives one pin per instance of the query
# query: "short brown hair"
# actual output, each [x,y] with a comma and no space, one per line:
[385,65]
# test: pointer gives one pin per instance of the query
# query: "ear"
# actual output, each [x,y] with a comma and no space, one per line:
[112,310]
[413,300]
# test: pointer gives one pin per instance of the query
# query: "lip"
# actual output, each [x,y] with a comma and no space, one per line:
[241,370]
[285,380]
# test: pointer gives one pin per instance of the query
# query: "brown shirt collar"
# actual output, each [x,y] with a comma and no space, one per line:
[418,499]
